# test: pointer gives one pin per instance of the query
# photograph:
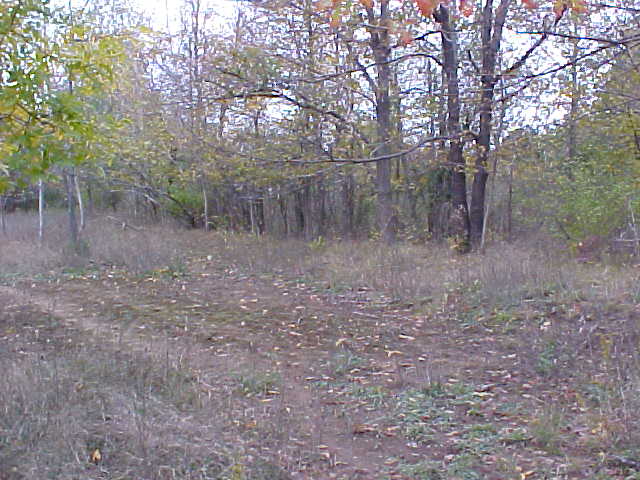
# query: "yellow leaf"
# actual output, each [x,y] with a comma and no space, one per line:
[96,456]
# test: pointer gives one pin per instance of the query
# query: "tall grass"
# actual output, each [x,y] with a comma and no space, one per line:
[504,273]
[105,240]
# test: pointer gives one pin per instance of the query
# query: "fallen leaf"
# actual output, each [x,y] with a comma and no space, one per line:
[96,456]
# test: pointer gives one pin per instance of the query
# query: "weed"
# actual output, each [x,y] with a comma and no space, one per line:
[258,383]
[421,471]
[423,412]
[547,358]
[546,430]
[345,362]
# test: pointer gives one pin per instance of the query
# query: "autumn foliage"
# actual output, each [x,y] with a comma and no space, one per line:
[466,7]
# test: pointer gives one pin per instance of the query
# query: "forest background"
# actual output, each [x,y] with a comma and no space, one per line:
[417,121]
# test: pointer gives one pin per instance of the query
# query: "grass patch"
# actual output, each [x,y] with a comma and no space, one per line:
[256,383]
[59,411]
[104,242]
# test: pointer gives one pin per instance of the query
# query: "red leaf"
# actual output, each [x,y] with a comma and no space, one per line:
[405,38]
[530,4]
[466,8]
[559,7]
[367,3]
[427,7]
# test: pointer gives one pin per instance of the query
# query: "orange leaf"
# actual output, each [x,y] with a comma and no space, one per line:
[530,4]
[405,38]
[579,6]
[559,7]
[466,8]
[334,22]
[96,456]
[427,7]
[323,5]
[367,3]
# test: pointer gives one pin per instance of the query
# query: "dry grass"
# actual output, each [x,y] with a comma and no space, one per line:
[573,325]
[504,274]
[106,240]
[565,332]
[74,407]
[58,411]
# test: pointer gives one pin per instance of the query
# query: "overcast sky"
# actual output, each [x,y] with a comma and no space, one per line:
[162,10]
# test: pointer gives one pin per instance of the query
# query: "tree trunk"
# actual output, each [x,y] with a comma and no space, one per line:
[40,211]
[348,199]
[284,212]
[510,205]
[3,213]
[308,230]
[491,36]
[260,222]
[205,202]
[460,213]
[299,212]
[252,218]
[74,235]
[76,185]
[380,45]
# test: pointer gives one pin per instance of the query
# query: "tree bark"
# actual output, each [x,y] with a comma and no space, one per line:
[460,212]
[40,211]
[282,203]
[3,213]
[205,201]
[74,235]
[76,185]
[491,36]
[379,42]
[349,204]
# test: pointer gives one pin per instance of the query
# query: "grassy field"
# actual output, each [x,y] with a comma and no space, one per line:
[165,354]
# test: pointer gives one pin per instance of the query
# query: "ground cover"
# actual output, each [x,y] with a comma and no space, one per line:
[256,359]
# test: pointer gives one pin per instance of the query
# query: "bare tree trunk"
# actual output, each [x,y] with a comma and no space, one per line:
[460,215]
[348,196]
[80,202]
[573,111]
[205,202]
[40,211]
[284,212]
[74,236]
[491,36]
[3,213]
[510,205]
[379,42]
[252,219]
[260,220]
[494,173]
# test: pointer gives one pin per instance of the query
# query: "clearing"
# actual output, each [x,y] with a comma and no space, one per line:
[223,369]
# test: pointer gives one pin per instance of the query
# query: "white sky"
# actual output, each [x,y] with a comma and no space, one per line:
[162,12]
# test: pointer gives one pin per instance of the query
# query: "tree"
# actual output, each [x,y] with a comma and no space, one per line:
[43,121]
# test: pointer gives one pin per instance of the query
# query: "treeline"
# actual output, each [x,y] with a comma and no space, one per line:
[458,121]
